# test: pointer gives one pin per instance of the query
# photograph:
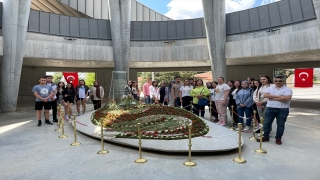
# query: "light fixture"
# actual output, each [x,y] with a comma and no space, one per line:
[70,39]
[168,42]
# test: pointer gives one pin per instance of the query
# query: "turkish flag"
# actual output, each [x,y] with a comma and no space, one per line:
[303,77]
[71,77]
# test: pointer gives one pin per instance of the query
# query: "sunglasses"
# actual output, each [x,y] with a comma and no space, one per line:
[278,81]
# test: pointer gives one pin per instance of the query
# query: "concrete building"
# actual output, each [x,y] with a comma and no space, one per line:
[77,36]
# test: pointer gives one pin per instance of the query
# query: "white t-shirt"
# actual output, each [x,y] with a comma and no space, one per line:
[82,93]
[213,94]
[234,93]
[220,91]
[54,87]
[185,90]
[284,91]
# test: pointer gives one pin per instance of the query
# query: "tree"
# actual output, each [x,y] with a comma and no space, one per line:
[283,72]
[90,78]
[56,77]
[168,76]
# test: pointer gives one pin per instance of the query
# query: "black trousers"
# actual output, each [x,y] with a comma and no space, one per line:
[54,109]
[197,108]
[186,101]
[96,104]
[214,111]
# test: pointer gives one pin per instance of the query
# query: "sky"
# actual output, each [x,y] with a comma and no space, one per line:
[188,9]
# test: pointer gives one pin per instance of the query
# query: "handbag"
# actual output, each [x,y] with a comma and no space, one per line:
[203,101]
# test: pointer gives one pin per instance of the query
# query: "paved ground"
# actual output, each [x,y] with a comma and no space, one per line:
[29,152]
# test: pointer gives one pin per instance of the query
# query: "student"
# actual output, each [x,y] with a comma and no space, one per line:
[175,91]
[232,101]
[171,100]
[146,91]
[128,88]
[82,92]
[135,91]
[222,92]
[185,97]
[244,102]
[200,91]
[53,99]
[43,94]
[96,95]
[213,109]
[154,92]
[69,95]
[163,94]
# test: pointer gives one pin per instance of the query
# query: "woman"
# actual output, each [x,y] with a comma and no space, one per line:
[222,92]
[163,94]
[60,90]
[244,102]
[259,92]
[128,88]
[197,93]
[185,97]
[171,101]
[153,92]
[257,85]
[69,94]
[237,88]
[135,90]
[231,85]
[96,95]
[213,109]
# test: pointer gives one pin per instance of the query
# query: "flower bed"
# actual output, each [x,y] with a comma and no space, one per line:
[157,122]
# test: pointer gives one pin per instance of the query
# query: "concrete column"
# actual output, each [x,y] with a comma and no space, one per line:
[14,29]
[120,19]
[215,23]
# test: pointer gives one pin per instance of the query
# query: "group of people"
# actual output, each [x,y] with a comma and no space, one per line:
[271,99]
[49,95]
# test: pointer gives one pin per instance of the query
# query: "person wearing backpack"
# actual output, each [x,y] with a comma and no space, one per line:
[244,101]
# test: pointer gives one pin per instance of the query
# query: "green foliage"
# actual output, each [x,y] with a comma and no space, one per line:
[90,78]
[283,72]
[167,76]
[56,77]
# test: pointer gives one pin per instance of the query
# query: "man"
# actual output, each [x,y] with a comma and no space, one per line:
[191,82]
[53,99]
[175,91]
[82,92]
[277,107]
[43,94]
[146,91]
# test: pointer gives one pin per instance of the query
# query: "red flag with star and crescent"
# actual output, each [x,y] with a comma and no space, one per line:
[303,77]
[71,77]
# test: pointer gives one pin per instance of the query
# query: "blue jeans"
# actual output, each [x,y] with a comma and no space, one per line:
[281,115]
[147,99]
[177,102]
[248,111]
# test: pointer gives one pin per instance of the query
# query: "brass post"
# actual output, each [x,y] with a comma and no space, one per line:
[260,150]
[189,162]
[62,125]
[59,118]
[232,120]
[191,107]
[253,138]
[102,151]
[140,160]
[239,159]
[210,110]
[75,143]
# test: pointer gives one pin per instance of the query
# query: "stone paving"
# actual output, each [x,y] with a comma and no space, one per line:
[30,152]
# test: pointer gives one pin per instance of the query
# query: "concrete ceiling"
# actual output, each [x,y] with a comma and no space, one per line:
[54,6]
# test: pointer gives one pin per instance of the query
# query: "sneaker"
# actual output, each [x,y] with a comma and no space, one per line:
[48,122]
[218,123]
[247,128]
[216,120]
[222,123]
[39,123]
[66,117]
[278,141]
[79,114]
[55,120]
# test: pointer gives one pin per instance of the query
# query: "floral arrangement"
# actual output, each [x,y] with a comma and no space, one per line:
[157,122]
